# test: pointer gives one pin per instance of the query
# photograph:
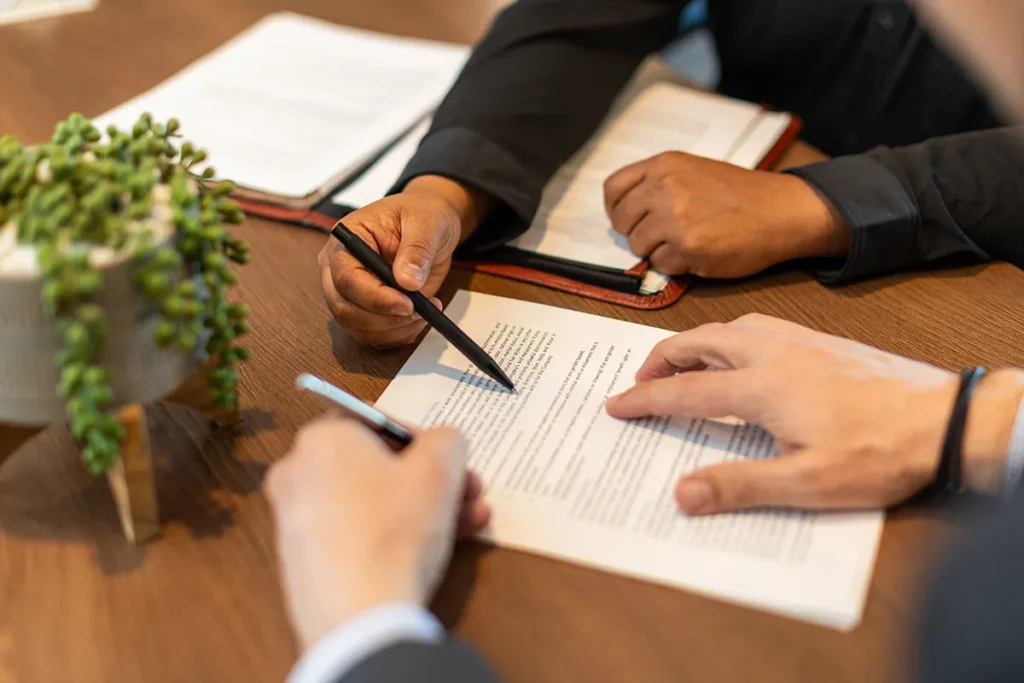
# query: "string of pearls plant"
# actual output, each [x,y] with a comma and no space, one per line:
[81,201]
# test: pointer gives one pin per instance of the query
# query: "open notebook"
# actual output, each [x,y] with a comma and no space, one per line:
[570,244]
[565,479]
[293,106]
[571,223]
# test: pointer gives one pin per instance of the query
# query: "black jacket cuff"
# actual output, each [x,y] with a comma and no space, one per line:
[450,662]
[467,157]
[882,217]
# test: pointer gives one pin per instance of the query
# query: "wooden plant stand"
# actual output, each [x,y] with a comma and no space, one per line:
[132,480]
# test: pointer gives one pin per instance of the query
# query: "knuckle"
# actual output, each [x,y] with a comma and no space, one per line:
[665,346]
[688,241]
[636,241]
[812,476]
[342,275]
[668,159]
[715,329]
[418,250]
[739,492]
[669,262]
[680,213]
[323,257]
[755,320]
[609,185]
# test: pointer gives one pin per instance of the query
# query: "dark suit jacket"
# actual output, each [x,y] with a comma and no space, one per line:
[861,73]
[452,662]
[969,630]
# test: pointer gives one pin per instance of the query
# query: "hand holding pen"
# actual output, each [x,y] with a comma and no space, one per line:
[360,526]
[417,230]
[375,264]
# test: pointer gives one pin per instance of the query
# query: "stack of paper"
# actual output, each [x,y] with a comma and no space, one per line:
[565,479]
[294,105]
[14,11]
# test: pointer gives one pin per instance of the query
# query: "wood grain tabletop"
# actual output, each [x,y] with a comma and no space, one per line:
[202,602]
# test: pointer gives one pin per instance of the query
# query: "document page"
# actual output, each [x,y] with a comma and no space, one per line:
[378,179]
[571,221]
[567,480]
[15,11]
[294,103]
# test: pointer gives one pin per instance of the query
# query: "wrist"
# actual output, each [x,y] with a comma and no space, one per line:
[822,230]
[346,598]
[989,427]
[469,204]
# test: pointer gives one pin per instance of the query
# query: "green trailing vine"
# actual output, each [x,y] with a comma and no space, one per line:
[81,192]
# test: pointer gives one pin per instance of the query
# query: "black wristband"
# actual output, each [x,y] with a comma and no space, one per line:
[948,480]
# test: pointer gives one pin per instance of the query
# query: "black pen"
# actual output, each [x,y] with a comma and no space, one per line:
[435,318]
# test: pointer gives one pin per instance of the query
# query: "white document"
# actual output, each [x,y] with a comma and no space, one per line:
[566,480]
[378,179]
[572,221]
[15,11]
[293,104]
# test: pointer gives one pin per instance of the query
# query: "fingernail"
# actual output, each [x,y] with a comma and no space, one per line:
[614,398]
[694,495]
[404,308]
[414,273]
[438,304]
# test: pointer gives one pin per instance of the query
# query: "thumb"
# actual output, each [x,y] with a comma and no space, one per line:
[789,481]
[418,249]
[437,458]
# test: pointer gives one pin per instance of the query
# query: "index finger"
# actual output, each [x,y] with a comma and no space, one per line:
[354,283]
[732,393]
[715,345]
[620,183]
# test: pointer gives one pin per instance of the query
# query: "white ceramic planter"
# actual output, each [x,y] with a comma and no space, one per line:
[139,371]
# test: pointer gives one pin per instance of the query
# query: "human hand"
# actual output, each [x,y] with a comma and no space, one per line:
[691,215]
[358,526]
[855,427]
[416,230]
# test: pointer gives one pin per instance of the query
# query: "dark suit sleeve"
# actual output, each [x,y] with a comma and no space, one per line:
[969,630]
[449,662]
[955,197]
[533,91]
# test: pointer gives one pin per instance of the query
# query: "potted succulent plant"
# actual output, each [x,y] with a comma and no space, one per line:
[114,275]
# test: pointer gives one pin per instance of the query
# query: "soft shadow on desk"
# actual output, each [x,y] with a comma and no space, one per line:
[790,274]
[453,595]
[950,271]
[46,494]
[197,462]
[357,359]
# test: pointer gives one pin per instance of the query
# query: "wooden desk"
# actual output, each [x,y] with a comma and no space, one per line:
[202,603]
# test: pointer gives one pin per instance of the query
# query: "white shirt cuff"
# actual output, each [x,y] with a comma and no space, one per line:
[355,640]
[1015,456]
